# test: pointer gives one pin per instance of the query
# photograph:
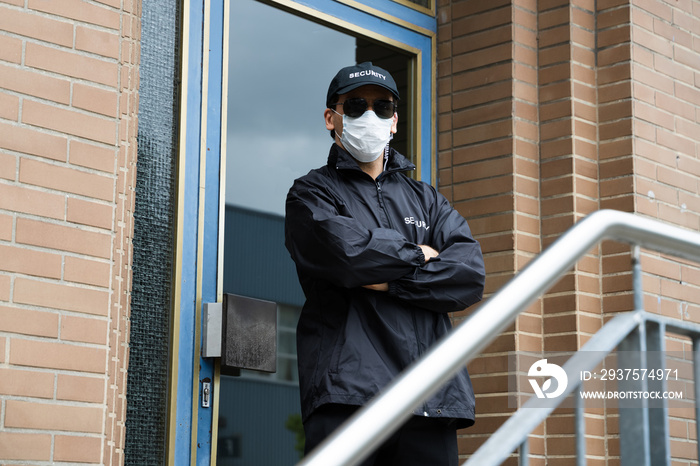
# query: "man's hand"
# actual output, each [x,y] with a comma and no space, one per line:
[428,252]
[378,287]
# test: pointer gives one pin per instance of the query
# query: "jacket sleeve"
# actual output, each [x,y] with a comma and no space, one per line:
[327,245]
[454,279]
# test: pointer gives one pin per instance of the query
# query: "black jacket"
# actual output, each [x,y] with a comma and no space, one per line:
[344,230]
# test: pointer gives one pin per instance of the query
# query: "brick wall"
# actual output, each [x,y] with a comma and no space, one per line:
[547,111]
[68,106]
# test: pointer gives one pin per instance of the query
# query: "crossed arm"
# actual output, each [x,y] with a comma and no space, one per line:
[330,246]
[428,252]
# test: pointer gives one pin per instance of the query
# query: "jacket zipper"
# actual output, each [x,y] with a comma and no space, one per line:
[382,205]
[413,313]
[420,353]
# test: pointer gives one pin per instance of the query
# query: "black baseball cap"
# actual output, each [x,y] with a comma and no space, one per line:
[352,77]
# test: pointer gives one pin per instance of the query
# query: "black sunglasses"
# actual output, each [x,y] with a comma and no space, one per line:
[357,106]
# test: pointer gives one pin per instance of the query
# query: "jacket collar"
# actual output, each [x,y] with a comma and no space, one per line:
[342,160]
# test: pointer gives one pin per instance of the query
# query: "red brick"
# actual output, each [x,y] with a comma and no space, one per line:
[487,20]
[51,416]
[621,129]
[687,129]
[92,156]
[475,207]
[95,99]
[659,9]
[4,291]
[675,141]
[653,115]
[32,201]
[653,42]
[585,93]
[72,64]
[26,384]
[614,37]
[481,40]
[63,238]
[462,9]
[475,115]
[677,179]
[556,129]
[687,22]
[683,218]
[6,223]
[30,262]
[90,272]
[97,41]
[612,18]
[30,141]
[559,53]
[60,296]
[555,35]
[484,169]
[487,187]
[80,11]
[67,121]
[116,4]
[9,107]
[10,49]
[582,38]
[653,79]
[617,54]
[89,213]
[85,330]
[489,56]
[79,388]
[689,165]
[483,77]
[31,25]
[687,57]
[653,190]
[483,133]
[76,449]
[481,95]
[615,91]
[34,84]
[64,178]
[25,447]
[612,74]
[650,155]
[62,356]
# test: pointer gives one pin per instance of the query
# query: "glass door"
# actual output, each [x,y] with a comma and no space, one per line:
[280,66]
[254,87]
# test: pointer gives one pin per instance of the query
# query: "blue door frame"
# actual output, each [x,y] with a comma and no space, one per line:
[200,207]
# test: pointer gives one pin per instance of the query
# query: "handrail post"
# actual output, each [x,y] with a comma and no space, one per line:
[696,383]
[580,420]
[634,413]
[524,453]
[658,412]
[637,278]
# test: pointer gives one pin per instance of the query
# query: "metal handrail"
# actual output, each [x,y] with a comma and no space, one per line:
[375,422]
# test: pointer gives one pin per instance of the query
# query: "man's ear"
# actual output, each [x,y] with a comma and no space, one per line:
[328,116]
[396,121]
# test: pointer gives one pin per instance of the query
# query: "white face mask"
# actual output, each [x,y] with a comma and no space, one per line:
[366,136]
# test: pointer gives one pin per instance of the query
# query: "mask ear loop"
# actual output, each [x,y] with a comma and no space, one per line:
[386,151]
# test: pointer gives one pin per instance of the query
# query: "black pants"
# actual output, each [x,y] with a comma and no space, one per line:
[420,442]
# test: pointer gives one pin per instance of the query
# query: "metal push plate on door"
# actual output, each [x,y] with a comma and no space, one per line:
[249,334]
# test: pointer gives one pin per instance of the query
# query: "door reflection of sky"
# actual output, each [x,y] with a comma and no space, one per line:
[280,66]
